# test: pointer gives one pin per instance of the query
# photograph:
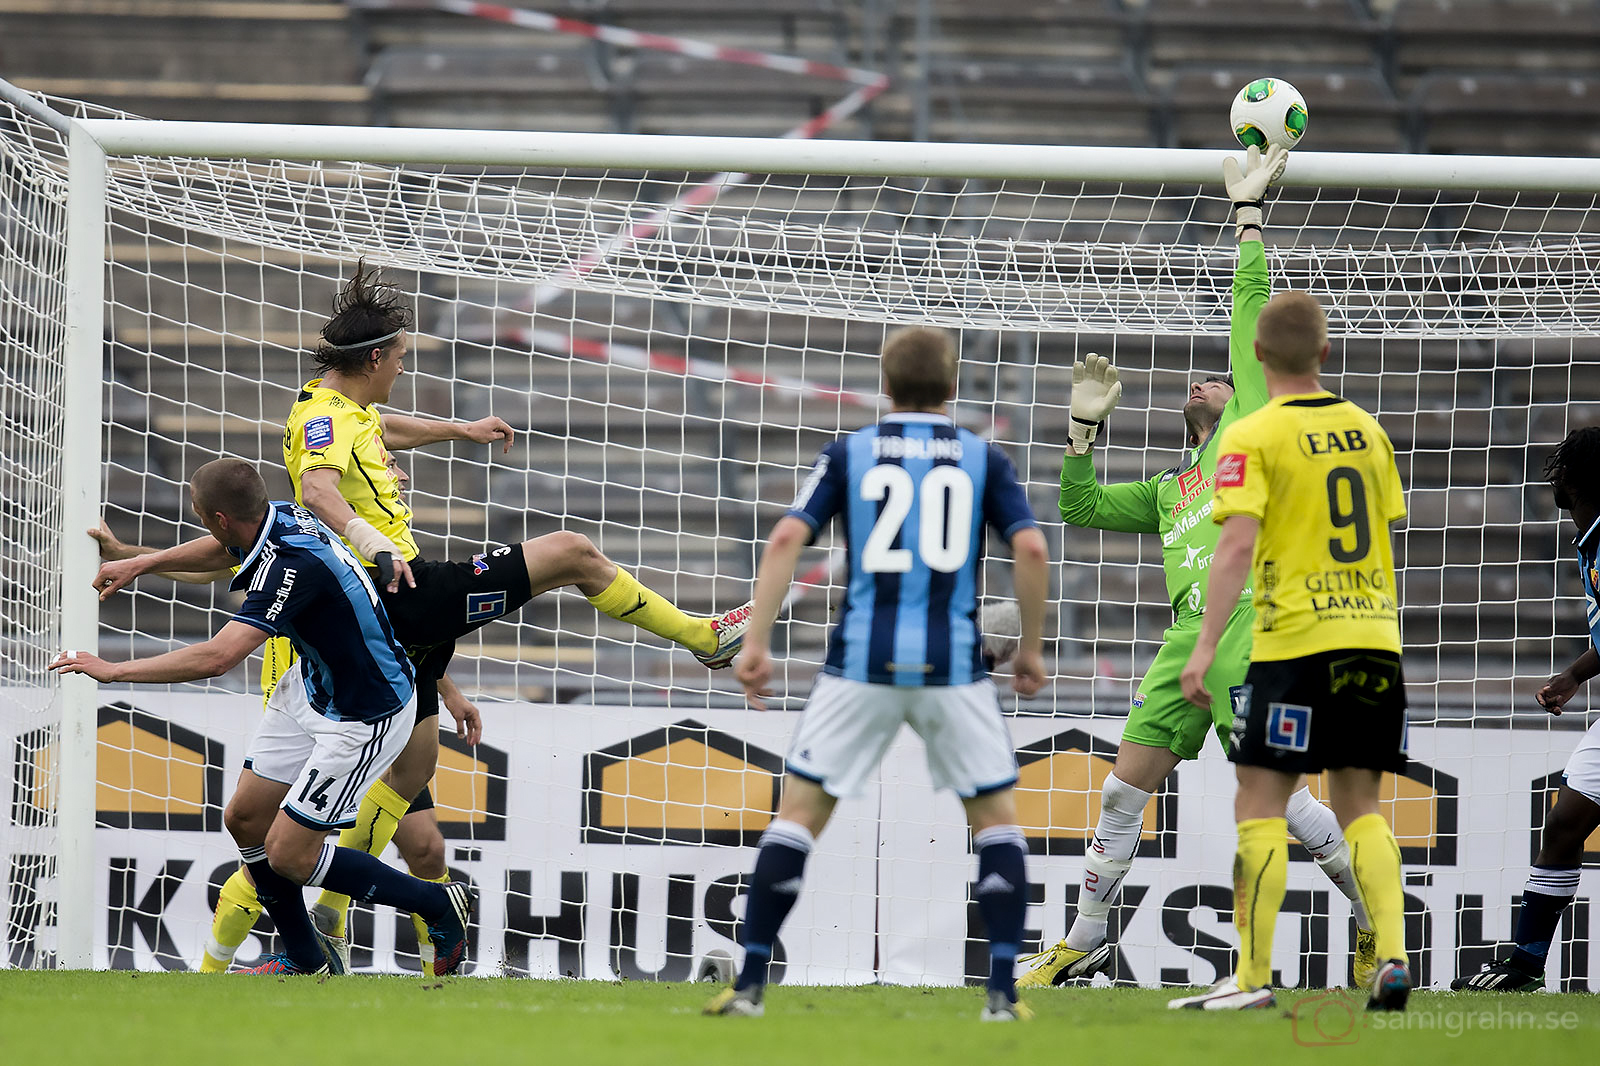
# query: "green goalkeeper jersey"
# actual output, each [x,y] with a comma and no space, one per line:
[1177,503]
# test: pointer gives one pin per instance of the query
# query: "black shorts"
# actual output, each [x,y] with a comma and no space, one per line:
[1327,711]
[452,599]
[429,665]
[423,802]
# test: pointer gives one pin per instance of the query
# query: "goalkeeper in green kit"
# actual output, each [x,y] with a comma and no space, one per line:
[1163,727]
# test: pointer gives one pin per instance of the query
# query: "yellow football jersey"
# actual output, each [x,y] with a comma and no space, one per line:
[277,655]
[327,430]
[1319,473]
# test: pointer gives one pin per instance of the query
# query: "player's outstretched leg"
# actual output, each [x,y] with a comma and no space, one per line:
[560,559]
[236,914]
[1316,827]
[1084,952]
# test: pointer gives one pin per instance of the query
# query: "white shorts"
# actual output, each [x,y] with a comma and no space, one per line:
[1583,769]
[848,725]
[327,765]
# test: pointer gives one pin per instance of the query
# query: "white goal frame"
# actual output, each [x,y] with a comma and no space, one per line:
[93,141]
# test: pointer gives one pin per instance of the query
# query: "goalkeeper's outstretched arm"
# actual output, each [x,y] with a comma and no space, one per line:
[1127,508]
[1252,286]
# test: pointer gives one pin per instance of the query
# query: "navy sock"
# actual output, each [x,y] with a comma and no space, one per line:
[1549,890]
[371,880]
[285,902]
[1002,899]
[774,886]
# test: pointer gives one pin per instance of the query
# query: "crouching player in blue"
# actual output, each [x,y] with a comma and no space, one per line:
[914,493]
[333,725]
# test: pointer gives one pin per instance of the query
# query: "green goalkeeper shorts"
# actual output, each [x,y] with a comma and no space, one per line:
[1161,718]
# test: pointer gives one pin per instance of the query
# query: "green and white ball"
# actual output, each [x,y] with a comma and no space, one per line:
[1269,111]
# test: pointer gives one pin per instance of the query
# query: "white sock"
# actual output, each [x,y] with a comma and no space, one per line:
[220,952]
[1315,826]
[1106,863]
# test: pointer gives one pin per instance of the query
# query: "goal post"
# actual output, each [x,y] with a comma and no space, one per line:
[673,351]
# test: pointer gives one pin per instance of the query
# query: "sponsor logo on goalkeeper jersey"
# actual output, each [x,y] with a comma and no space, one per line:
[1192,484]
[1230,471]
[1185,523]
[684,784]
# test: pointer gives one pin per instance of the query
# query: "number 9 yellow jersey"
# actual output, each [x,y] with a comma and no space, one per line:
[1319,474]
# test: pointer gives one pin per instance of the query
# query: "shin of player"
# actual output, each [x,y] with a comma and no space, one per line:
[1306,490]
[1573,471]
[905,651]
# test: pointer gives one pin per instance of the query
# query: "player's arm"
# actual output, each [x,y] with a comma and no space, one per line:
[469,723]
[408,431]
[773,577]
[1230,569]
[191,557]
[1129,508]
[1554,694]
[211,658]
[319,493]
[1030,564]
[112,548]
[1252,287]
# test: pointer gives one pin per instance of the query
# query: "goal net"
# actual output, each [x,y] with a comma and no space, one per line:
[675,328]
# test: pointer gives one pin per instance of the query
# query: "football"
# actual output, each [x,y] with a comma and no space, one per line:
[1269,111]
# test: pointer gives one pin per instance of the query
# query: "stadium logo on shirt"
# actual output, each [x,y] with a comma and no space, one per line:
[1058,788]
[319,432]
[684,784]
[1230,471]
[152,774]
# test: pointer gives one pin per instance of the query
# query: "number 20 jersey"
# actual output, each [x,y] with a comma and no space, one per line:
[915,493]
[1319,473]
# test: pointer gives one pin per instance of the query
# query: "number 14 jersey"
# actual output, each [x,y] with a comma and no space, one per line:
[1319,473]
[915,493]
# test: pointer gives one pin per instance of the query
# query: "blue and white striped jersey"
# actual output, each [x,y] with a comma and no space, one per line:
[1588,547]
[915,493]
[301,582]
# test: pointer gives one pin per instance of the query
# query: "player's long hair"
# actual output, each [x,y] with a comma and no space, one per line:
[366,309]
[1573,469]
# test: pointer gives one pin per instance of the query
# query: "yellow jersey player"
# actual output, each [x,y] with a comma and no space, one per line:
[336,446]
[1306,491]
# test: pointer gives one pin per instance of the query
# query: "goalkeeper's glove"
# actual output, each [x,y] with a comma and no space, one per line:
[1095,392]
[373,546]
[1248,189]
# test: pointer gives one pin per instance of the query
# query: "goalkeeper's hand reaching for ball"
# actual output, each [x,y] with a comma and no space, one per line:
[1247,188]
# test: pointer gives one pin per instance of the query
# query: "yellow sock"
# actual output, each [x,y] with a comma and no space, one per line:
[1375,860]
[628,601]
[420,924]
[1260,875]
[237,911]
[381,810]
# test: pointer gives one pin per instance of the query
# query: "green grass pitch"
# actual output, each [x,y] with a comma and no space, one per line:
[62,1019]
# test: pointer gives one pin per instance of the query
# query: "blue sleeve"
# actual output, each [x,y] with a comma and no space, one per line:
[1005,505]
[824,493]
[279,590]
